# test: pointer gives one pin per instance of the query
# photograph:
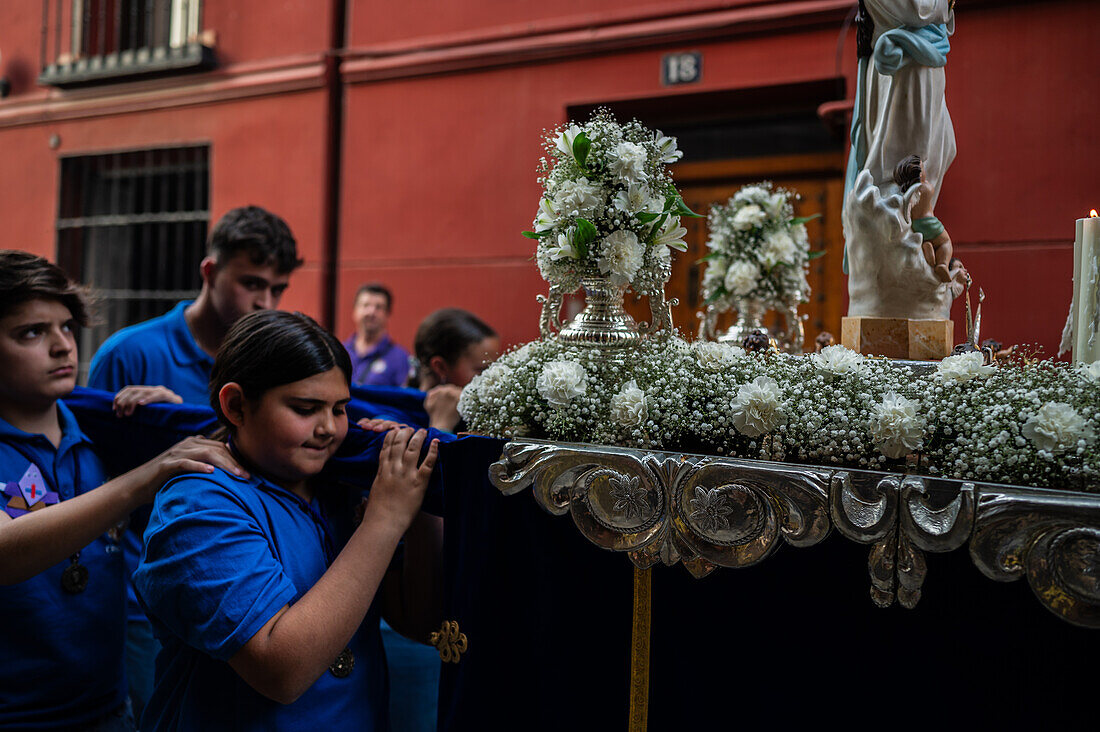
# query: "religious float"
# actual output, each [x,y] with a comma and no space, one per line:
[715,453]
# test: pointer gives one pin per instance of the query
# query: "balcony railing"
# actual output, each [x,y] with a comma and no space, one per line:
[89,41]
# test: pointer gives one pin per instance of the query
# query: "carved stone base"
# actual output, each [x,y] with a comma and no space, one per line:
[917,340]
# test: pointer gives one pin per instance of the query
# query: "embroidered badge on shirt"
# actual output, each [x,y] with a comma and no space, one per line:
[378,366]
[29,494]
[32,486]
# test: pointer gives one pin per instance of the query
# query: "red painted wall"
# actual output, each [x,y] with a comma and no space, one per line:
[439,158]
[453,156]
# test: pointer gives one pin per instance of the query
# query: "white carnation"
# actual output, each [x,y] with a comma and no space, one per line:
[1090,371]
[1057,426]
[628,407]
[621,256]
[963,367]
[495,379]
[742,278]
[577,197]
[748,217]
[778,248]
[628,162]
[757,408]
[838,360]
[717,356]
[896,427]
[562,381]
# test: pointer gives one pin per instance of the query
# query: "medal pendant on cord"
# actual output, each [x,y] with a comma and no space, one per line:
[74,579]
[344,663]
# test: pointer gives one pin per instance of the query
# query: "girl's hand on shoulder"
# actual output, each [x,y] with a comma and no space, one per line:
[131,397]
[398,489]
[192,455]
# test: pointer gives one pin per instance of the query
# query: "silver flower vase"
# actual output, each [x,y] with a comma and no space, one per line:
[603,323]
[750,317]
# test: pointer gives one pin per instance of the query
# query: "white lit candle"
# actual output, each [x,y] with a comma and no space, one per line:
[1086,290]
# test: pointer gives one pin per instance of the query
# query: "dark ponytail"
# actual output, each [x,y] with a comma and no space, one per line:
[269,348]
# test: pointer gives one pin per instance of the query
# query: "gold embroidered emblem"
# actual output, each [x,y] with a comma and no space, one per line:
[450,642]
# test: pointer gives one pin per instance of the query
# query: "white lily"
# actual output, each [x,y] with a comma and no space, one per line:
[667,146]
[547,217]
[564,248]
[564,142]
[672,234]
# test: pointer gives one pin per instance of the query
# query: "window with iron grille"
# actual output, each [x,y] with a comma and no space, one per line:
[87,41]
[132,225]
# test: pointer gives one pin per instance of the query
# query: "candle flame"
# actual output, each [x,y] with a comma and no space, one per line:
[1092,214]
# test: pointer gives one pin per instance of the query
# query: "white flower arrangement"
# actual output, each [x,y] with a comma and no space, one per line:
[1028,423]
[758,249]
[609,206]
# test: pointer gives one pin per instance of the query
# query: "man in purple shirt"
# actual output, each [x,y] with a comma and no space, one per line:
[375,359]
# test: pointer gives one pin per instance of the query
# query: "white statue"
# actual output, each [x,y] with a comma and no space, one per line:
[900,111]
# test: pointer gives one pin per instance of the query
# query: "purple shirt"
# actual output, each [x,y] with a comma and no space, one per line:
[387,364]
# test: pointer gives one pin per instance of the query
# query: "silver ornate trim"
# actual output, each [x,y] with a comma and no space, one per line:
[707,512]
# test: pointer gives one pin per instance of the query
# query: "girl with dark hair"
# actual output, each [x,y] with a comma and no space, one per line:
[453,346]
[266,622]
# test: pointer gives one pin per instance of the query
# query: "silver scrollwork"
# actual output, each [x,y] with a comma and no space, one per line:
[707,512]
[902,517]
[1052,538]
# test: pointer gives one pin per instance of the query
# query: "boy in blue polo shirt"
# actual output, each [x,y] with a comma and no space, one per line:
[251,256]
[61,567]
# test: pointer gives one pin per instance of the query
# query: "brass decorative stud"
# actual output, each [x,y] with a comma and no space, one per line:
[450,642]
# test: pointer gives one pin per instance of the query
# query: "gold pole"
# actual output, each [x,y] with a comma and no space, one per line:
[639,652]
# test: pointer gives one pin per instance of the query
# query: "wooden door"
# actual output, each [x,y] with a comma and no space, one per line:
[818,178]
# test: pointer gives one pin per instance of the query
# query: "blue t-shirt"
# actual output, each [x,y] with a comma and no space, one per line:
[222,556]
[60,653]
[158,352]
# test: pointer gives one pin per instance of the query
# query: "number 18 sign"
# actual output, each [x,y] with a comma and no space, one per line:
[681,68]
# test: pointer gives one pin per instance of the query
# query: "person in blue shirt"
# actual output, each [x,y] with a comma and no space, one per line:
[251,256]
[267,609]
[61,568]
[375,359]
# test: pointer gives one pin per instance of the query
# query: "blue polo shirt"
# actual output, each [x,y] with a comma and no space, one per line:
[158,352]
[387,364]
[60,653]
[222,556]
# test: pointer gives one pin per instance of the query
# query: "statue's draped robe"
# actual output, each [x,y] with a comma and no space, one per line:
[900,111]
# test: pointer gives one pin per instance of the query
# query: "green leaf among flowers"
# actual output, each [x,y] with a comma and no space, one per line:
[683,210]
[581,146]
[534,235]
[814,255]
[586,234]
[804,219]
[718,293]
